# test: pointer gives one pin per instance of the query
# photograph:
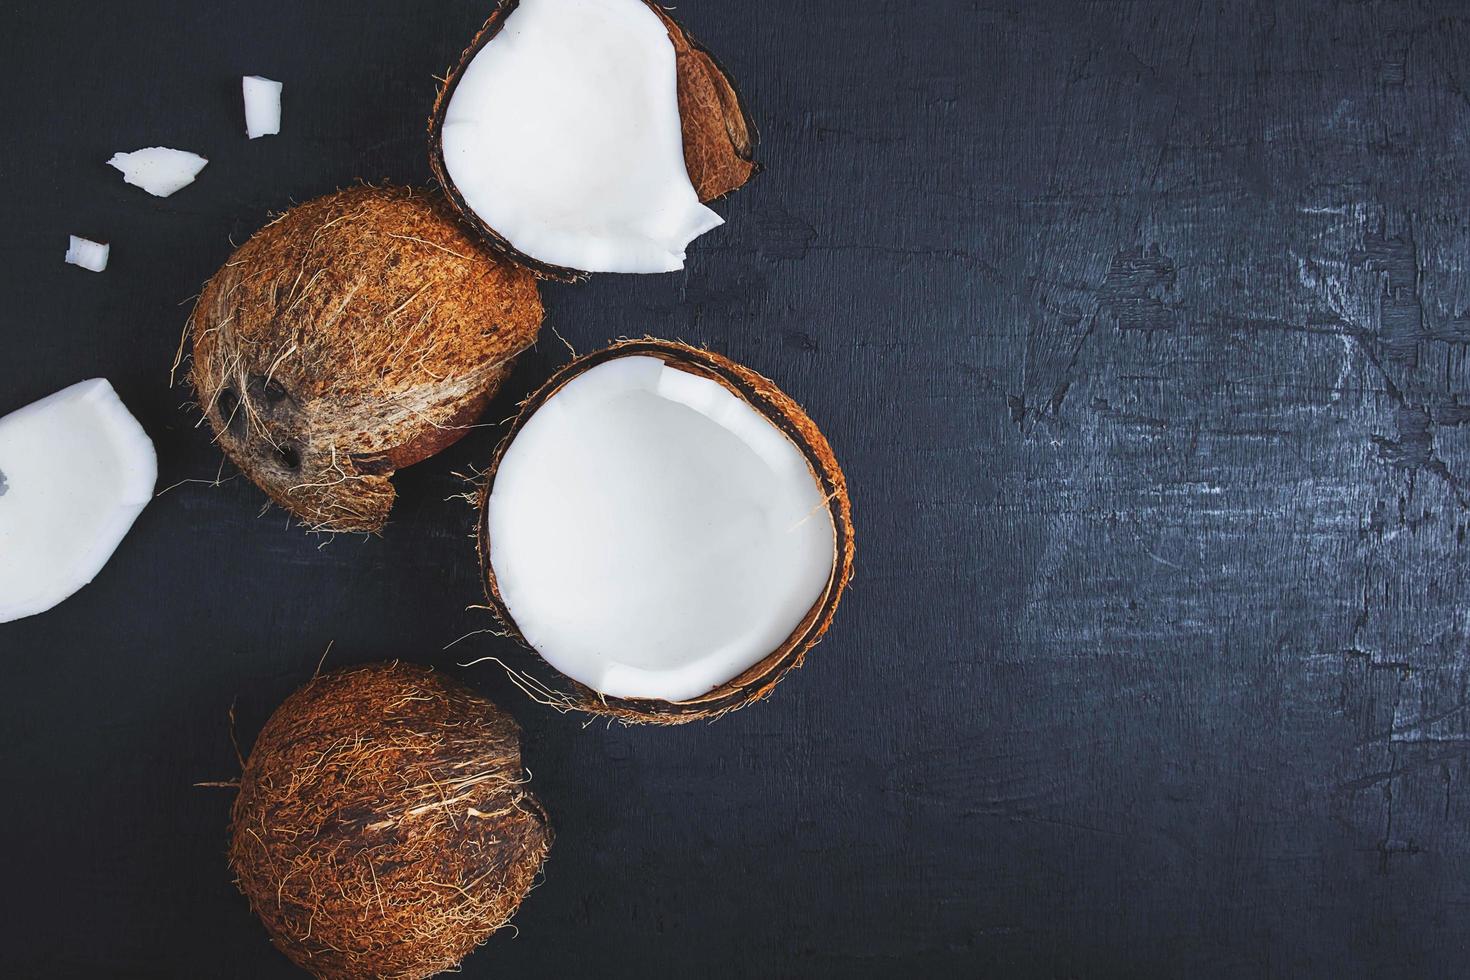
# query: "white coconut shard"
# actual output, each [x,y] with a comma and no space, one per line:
[262,106]
[653,535]
[88,254]
[159,170]
[76,469]
[563,135]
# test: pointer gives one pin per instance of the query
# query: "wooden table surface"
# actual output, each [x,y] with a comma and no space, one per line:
[1141,331]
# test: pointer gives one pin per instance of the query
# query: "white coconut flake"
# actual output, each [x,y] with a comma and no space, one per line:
[653,535]
[159,170]
[262,106]
[76,469]
[88,254]
[563,135]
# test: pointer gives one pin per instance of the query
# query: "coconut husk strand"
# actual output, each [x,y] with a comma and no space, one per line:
[383,826]
[720,137]
[550,687]
[356,334]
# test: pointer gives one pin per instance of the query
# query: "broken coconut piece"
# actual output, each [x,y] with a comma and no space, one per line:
[667,530]
[87,254]
[262,106]
[384,827]
[157,169]
[356,334]
[582,136]
[76,469]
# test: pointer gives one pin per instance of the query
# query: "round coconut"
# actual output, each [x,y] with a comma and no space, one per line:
[356,334]
[720,137]
[760,680]
[383,826]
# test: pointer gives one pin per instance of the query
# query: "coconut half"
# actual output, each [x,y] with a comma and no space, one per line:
[76,470]
[383,826]
[583,136]
[355,335]
[667,530]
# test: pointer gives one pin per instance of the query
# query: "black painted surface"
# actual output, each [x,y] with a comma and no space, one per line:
[1141,331]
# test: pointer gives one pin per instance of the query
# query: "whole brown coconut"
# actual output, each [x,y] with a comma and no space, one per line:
[383,828]
[720,138]
[760,680]
[358,333]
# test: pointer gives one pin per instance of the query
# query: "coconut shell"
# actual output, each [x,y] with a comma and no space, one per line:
[760,680]
[383,826]
[358,333]
[719,135]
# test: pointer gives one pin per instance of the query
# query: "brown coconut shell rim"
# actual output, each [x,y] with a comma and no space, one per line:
[744,136]
[758,681]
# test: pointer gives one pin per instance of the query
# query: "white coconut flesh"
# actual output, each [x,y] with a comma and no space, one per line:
[262,106]
[157,169]
[653,535]
[76,469]
[87,254]
[563,136]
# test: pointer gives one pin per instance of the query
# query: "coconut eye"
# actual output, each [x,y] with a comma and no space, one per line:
[289,456]
[228,404]
[274,392]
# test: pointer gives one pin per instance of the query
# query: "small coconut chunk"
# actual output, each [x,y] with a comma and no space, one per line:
[88,254]
[159,170]
[652,535]
[563,136]
[76,469]
[262,106]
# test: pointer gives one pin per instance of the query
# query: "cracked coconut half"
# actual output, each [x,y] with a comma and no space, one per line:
[667,530]
[357,334]
[586,136]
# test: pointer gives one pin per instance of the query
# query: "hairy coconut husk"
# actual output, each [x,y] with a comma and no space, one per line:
[760,680]
[719,135]
[358,333]
[383,826]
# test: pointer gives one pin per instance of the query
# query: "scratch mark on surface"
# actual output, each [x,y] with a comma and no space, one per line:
[1163,561]
[1137,283]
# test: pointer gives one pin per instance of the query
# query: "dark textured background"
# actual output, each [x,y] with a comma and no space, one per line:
[1141,330]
